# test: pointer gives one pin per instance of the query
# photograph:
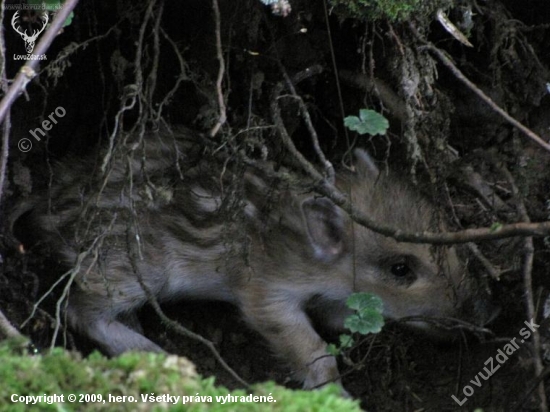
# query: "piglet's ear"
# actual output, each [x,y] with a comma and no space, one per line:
[325,228]
[365,164]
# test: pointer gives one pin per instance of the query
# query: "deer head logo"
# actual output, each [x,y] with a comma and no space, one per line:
[29,40]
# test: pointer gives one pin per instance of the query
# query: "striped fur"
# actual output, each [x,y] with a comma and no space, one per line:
[188,227]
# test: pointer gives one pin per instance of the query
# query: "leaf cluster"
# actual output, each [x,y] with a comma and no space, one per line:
[367,318]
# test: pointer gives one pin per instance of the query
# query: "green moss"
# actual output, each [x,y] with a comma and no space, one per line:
[392,10]
[137,374]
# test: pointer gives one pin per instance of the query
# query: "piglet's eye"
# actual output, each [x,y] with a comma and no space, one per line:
[400,270]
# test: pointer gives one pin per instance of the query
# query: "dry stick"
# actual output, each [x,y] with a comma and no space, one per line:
[184,331]
[181,77]
[458,74]
[5,151]
[311,71]
[277,118]
[335,70]
[143,32]
[152,78]
[156,306]
[27,72]
[25,75]
[528,285]
[219,52]
[138,129]
[383,91]
[324,187]
[540,379]
[493,272]
[443,238]
[7,125]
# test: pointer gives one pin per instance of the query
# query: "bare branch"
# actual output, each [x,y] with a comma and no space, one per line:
[326,188]
[176,326]
[383,91]
[6,127]
[329,169]
[443,238]
[221,72]
[460,76]
[529,249]
[493,272]
[7,124]
[335,69]
[287,141]
[27,72]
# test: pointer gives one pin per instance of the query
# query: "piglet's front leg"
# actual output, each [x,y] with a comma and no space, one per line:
[279,316]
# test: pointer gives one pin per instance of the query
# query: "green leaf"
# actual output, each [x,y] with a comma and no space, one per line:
[368,122]
[333,350]
[360,301]
[69,19]
[372,322]
[352,122]
[346,341]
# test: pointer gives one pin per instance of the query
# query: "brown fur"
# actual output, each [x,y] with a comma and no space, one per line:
[178,231]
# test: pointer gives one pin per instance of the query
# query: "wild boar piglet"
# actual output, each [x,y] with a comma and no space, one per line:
[160,220]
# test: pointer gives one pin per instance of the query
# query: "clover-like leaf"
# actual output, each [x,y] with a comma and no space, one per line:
[360,301]
[346,341]
[333,350]
[368,122]
[370,321]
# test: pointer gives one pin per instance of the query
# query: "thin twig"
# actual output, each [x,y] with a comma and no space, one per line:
[6,127]
[325,188]
[493,272]
[443,238]
[382,90]
[221,71]
[285,137]
[140,50]
[460,76]
[27,72]
[182,76]
[25,75]
[152,79]
[528,285]
[7,124]
[335,70]
[536,384]
[72,275]
[329,168]
[176,326]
